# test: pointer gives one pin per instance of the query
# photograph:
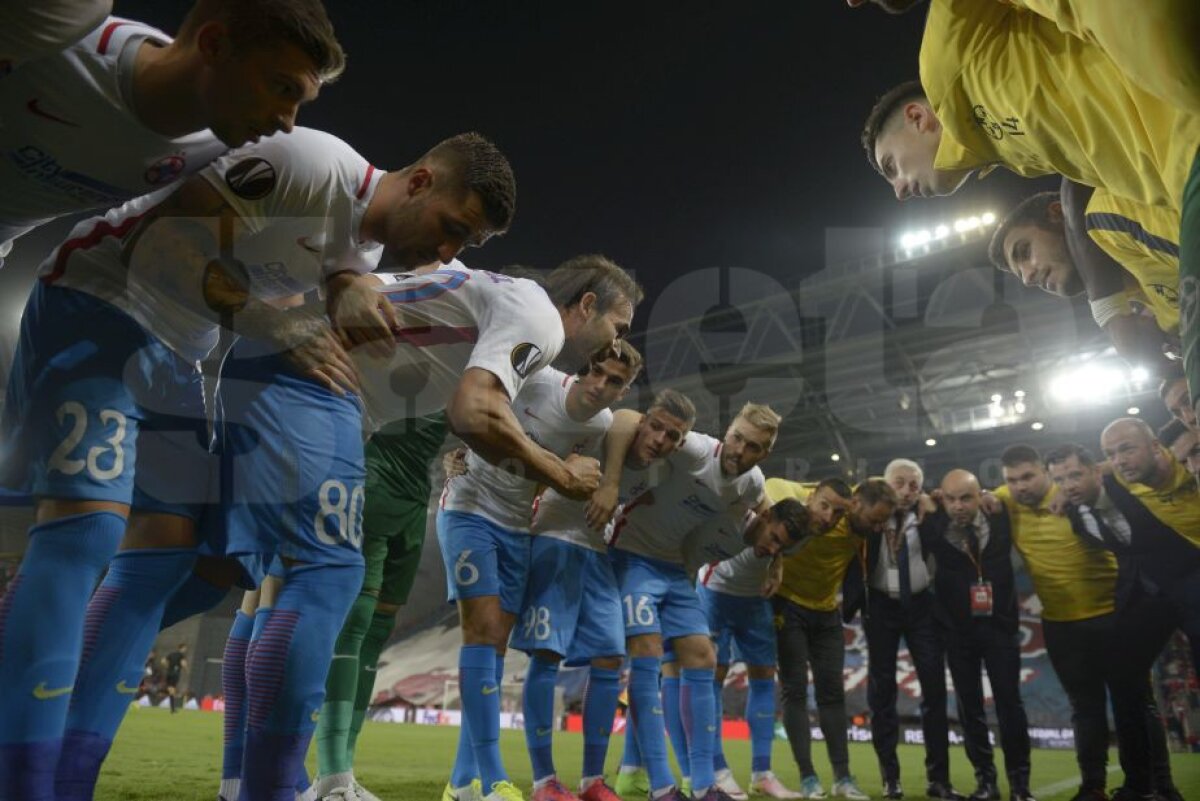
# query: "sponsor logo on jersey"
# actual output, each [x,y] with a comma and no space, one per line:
[251,178]
[35,107]
[525,358]
[165,170]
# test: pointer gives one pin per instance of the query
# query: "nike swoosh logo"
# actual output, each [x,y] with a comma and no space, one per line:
[125,689]
[42,693]
[710,728]
[303,242]
[542,732]
[656,710]
[34,108]
[490,690]
[529,412]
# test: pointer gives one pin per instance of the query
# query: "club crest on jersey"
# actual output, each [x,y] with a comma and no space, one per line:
[251,178]
[165,170]
[525,358]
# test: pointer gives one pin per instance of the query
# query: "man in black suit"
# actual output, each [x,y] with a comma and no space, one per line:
[976,611]
[897,585]
[1153,563]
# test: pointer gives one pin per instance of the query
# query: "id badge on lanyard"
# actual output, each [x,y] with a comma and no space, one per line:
[981,598]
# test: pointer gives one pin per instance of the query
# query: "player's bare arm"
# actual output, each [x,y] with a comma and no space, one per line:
[481,415]
[617,442]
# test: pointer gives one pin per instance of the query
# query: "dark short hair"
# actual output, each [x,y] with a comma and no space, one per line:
[881,113]
[1020,454]
[841,488]
[876,490]
[477,165]
[794,516]
[570,281]
[1061,453]
[1172,431]
[676,404]
[621,351]
[1173,374]
[1033,210]
[251,23]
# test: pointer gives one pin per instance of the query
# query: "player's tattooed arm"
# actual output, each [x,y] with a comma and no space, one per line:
[480,413]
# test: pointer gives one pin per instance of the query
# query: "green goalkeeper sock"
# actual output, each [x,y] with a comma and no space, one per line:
[382,624]
[341,685]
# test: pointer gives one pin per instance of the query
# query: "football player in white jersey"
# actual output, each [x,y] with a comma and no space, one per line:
[710,477]
[127,110]
[733,594]
[104,410]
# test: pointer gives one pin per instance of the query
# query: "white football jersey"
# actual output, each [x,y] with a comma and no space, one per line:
[655,524]
[451,320]
[564,519]
[504,497]
[70,140]
[301,198]
[742,575]
[716,540]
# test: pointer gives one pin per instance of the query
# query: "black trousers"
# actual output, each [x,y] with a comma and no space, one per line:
[886,622]
[968,651]
[807,637]
[1111,655]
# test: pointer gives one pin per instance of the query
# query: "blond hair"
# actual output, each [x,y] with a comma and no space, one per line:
[762,417]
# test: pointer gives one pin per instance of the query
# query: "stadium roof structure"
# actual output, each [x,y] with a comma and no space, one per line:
[929,353]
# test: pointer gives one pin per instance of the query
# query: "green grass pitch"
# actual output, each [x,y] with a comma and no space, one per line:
[164,757]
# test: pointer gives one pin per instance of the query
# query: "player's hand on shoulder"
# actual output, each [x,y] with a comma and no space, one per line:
[925,505]
[361,314]
[601,506]
[583,477]
[1058,504]
[991,504]
[313,350]
[455,463]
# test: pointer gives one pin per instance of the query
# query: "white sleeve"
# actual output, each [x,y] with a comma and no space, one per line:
[513,349]
[754,489]
[33,30]
[691,454]
[285,175]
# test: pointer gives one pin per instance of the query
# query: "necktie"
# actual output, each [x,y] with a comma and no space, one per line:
[902,565]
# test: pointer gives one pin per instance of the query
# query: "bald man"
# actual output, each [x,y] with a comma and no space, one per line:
[976,612]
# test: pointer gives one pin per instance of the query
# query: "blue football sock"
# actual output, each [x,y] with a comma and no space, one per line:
[464,771]
[41,638]
[647,706]
[481,707]
[285,675]
[538,705]
[674,721]
[719,761]
[194,597]
[631,754]
[599,707]
[120,626]
[233,686]
[696,699]
[760,711]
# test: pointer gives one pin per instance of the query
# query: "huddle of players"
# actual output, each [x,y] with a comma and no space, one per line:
[104,421]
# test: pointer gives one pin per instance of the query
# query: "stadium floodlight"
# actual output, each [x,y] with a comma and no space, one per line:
[836,457]
[1133,410]
[931,442]
[1091,383]
[1019,407]
[1020,393]
[961,225]
[987,218]
[941,232]
[1037,426]
[1139,375]
[995,410]
[997,397]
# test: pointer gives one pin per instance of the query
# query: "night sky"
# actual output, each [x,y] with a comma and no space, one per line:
[671,136]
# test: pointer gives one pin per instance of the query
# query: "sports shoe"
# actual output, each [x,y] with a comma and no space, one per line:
[364,793]
[311,794]
[714,793]
[892,789]
[504,791]
[342,794]
[552,790]
[847,788]
[1090,794]
[685,787]
[810,787]
[472,792]
[768,784]
[728,785]
[599,791]
[944,791]
[633,784]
